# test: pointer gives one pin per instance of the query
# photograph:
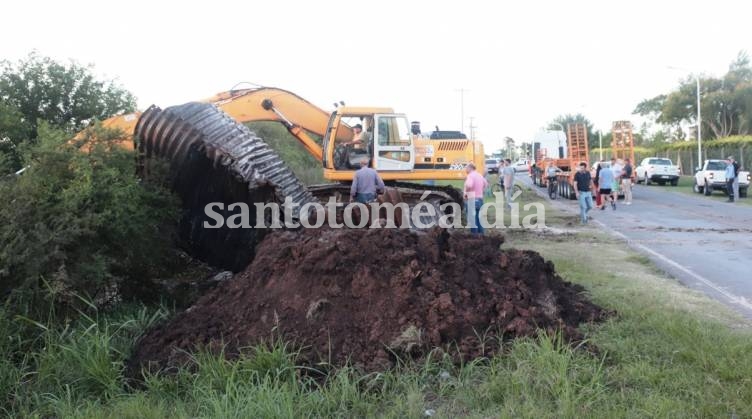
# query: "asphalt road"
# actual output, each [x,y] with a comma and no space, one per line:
[705,244]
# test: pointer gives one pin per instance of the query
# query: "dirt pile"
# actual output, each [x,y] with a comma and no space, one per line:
[364,296]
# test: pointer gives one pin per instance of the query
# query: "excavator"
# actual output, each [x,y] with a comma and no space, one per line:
[215,157]
[396,149]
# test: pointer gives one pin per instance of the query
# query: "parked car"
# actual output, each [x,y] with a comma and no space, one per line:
[492,165]
[712,176]
[659,170]
[521,165]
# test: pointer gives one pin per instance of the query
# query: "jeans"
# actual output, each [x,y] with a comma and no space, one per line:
[472,207]
[736,188]
[508,188]
[586,204]
[730,188]
[365,198]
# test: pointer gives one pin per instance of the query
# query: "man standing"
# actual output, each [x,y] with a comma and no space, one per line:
[730,176]
[626,181]
[616,168]
[508,174]
[366,184]
[583,185]
[605,187]
[474,186]
[737,167]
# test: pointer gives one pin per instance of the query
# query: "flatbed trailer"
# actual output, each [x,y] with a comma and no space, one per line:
[577,144]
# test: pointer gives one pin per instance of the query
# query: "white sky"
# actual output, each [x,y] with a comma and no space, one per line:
[521,64]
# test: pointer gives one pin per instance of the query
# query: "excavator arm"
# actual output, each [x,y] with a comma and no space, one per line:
[298,115]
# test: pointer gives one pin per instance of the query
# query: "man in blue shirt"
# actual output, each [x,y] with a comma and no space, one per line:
[606,183]
[366,184]
[730,176]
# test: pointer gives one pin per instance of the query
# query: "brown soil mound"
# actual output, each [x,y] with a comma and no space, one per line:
[364,296]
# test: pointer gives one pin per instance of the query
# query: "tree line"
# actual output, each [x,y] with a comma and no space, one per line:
[726,110]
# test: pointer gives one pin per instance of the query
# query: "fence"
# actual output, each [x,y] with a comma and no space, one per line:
[684,154]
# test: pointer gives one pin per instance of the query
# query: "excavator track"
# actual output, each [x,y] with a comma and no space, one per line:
[454,194]
[213,158]
[409,195]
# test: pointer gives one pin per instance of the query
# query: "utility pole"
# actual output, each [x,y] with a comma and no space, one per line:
[472,128]
[600,145]
[699,124]
[462,91]
[699,114]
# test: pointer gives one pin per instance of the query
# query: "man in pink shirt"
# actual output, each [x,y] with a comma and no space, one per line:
[475,184]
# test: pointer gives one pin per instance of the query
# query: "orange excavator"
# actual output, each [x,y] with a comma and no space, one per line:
[395,148]
[214,157]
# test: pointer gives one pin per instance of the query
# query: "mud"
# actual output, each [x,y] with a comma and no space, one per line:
[369,297]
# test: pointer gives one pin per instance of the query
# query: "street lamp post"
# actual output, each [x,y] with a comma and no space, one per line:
[699,125]
[699,117]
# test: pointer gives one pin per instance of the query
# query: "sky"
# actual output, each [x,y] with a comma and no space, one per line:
[506,68]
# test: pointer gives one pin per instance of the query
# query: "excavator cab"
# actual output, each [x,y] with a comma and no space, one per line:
[385,141]
[393,148]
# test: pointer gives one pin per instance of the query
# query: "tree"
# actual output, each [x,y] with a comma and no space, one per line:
[509,142]
[66,96]
[12,129]
[526,148]
[81,223]
[726,102]
[562,121]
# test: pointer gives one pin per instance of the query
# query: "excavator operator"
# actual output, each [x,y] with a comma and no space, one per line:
[351,152]
[357,140]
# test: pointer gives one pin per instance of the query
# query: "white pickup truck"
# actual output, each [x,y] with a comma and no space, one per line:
[712,176]
[659,170]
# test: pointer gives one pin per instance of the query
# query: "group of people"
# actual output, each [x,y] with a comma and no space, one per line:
[610,179]
[605,184]
[732,179]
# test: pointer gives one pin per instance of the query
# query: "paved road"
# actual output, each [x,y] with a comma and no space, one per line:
[705,244]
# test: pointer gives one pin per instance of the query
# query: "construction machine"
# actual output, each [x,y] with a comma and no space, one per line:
[215,158]
[394,147]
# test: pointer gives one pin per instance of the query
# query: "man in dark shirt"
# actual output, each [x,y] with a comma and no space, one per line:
[626,181]
[583,185]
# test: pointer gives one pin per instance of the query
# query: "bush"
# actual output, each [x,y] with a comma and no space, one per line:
[78,222]
[309,170]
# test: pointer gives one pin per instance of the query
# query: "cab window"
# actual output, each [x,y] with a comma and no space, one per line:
[393,131]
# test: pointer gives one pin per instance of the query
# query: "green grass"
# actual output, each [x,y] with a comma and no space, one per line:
[667,352]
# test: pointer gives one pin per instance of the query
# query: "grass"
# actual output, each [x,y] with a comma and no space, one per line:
[668,352]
